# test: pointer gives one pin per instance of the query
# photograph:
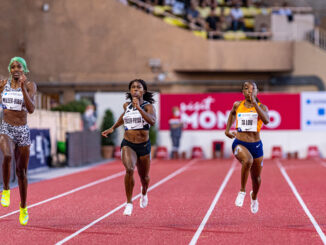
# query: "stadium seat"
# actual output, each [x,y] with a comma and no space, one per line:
[218,149]
[277,152]
[162,152]
[117,152]
[313,152]
[197,153]
[175,22]
[202,34]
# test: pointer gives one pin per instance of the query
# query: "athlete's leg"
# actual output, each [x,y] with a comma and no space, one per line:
[22,159]
[6,147]
[255,172]
[129,159]
[143,165]
[246,160]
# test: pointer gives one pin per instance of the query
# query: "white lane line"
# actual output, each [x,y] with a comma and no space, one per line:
[175,173]
[303,205]
[70,192]
[211,208]
[113,176]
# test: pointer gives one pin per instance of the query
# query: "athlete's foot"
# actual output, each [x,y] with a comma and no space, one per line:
[23,217]
[254,204]
[143,202]
[5,199]
[240,198]
[128,209]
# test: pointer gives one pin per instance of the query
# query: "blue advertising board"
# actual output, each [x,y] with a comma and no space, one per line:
[40,151]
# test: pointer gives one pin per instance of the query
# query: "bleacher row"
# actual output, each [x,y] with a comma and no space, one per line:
[177,19]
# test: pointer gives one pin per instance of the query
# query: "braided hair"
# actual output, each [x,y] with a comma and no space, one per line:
[148,96]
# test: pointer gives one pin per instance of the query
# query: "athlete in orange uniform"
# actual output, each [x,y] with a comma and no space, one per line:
[247,147]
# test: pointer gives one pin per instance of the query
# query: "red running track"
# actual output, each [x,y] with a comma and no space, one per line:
[182,193]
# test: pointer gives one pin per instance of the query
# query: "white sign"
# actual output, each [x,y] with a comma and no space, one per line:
[313,111]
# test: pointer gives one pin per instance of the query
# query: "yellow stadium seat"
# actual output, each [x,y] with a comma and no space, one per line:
[202,34]
[249,22]
[158,10]
[240,35]
[229,35]
[175,22]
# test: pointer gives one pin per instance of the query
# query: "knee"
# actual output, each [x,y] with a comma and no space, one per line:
[21,173]
[130,170]
[7,158]
[247,163]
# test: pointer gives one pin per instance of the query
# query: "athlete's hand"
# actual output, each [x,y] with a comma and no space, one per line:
[135,103]
[253,95]
[230,135]
[22,80]
[105,133]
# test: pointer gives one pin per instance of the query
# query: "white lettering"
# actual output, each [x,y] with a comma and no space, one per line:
[190,119]
[222,118]
[275,119]
[207,119]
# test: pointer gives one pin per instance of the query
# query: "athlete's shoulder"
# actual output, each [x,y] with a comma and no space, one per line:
[125,105]
[236,104]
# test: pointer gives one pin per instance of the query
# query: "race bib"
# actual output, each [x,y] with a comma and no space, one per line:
[133,120]
[247,122]
[12,100]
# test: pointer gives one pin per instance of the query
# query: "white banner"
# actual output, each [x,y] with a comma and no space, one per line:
[313,111]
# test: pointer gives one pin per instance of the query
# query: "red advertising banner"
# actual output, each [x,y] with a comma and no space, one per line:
[210,111]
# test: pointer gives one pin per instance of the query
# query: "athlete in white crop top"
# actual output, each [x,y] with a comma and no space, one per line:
[138,116]
[18,99]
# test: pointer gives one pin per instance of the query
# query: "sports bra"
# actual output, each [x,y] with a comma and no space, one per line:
[12,99]
[133,120]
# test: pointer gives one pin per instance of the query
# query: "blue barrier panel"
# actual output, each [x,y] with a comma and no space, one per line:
[40,154]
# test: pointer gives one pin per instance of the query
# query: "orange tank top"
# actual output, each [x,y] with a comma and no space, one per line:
[247,119]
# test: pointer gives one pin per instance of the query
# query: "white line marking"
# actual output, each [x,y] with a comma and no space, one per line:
[113,176]
[211,208]
[177,172]
[303,205]
[69,192]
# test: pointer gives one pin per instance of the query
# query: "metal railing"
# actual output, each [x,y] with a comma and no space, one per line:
[317,37]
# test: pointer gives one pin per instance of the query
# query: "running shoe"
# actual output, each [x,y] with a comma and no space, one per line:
[23,217]
[5,199]
[128,209]
[254,204]
[240,198]
[143,202]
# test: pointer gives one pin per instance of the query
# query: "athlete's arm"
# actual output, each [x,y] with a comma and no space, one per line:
[2,85]
[262,111]
[148,114]
[29,93]
[231,119]
[117,124]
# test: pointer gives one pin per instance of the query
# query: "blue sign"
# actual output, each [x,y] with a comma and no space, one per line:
[40,151]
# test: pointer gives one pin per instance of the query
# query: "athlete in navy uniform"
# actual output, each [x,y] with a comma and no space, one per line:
[138,116]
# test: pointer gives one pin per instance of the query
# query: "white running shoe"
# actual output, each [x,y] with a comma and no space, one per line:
[254,204]
[240,198]
[143,202]
[128,209]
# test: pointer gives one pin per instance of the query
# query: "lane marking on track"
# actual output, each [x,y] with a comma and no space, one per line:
[211,208]
[70,192]
[113,176]
[303,205]
[170,176]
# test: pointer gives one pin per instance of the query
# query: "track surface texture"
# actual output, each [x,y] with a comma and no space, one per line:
[190,202]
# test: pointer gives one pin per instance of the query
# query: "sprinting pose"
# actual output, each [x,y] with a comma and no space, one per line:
[247,147]
[18,99]
[138,116]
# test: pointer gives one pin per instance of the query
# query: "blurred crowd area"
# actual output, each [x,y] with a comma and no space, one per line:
[217,19]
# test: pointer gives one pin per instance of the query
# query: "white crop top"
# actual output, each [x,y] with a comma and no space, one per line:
[133,120]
